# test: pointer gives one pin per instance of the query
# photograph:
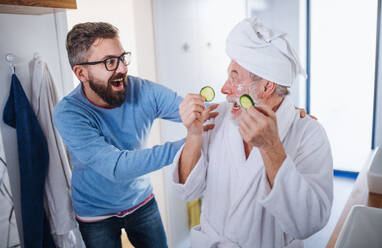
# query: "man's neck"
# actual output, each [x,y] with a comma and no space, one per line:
[274,102]
[93,97]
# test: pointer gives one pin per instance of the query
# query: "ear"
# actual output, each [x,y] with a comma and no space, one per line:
[269,88]
[81,73]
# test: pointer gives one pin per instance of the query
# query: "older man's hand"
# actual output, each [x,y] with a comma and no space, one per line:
[258,127]
[303,113]
[194,113]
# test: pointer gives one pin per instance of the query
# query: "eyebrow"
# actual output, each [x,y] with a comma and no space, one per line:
[111,56]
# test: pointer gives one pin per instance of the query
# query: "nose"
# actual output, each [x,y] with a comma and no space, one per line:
[227,88]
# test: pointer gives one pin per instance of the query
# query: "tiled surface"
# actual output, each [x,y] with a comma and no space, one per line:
[342,190]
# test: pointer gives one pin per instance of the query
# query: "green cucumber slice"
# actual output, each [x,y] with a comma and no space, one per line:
[208,93]
[246,101]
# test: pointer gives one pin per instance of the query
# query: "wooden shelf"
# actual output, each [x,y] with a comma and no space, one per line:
[359,196]
[40,7]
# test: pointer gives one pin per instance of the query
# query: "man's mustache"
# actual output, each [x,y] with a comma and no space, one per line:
[232,99]
[118,76]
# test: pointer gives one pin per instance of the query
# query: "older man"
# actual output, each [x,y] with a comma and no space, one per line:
[264,175]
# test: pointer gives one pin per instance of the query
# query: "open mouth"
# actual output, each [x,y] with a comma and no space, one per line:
[117,84]
[236,106]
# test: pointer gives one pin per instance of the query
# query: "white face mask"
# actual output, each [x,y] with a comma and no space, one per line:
[234,103]
[232,99]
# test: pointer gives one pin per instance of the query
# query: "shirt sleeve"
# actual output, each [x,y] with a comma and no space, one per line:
[166,102]
[302,193]
[90,148]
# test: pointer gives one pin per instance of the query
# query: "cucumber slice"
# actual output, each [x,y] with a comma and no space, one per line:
[208,93]
[246,101]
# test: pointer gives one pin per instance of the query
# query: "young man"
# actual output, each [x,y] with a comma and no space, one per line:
[264,174]
[104,123]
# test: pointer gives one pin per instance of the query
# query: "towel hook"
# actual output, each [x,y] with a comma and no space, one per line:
[36,56]
[10,58]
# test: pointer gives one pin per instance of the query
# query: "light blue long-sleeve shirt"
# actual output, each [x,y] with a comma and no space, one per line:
[106,146]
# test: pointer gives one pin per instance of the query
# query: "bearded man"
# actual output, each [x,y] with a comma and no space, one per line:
[105,122]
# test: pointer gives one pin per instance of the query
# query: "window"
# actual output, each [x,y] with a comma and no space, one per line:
[343,37]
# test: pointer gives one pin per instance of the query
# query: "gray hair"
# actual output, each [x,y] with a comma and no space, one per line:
[83,35]
[280,90]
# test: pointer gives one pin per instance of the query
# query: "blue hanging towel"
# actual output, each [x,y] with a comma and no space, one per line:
[33,163]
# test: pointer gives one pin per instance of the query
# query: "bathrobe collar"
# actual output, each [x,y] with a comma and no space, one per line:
[285,115]
[248,169]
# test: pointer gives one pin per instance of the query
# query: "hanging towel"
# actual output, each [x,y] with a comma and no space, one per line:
[58,202]
[9,235]
[33,163]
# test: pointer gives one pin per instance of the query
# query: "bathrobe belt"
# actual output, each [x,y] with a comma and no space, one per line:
[209,238]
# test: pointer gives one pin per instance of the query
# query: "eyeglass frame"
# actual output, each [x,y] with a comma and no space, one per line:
[119,58]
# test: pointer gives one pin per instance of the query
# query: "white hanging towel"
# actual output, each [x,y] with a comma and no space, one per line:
[57,203]
[9,235]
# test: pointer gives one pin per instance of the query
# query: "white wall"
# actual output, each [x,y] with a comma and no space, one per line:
[118,12]
[23,35]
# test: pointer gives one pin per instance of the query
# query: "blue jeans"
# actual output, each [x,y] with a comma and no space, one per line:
[143,227]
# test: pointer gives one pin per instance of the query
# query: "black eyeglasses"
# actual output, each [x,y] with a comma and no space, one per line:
[112,63]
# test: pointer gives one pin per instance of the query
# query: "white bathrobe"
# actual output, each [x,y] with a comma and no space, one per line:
[239,209]
[57,202]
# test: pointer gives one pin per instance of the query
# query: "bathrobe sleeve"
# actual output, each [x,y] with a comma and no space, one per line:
[302,194]
[195,184]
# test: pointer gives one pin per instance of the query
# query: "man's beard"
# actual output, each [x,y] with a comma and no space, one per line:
[111,97]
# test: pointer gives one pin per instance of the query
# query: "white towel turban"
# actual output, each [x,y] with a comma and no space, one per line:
[264,52]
